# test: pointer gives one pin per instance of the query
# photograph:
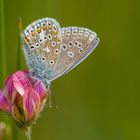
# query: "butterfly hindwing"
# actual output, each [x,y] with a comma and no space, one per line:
[77,44]
[42,47]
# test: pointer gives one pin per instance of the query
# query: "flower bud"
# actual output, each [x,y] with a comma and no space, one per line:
[23,98]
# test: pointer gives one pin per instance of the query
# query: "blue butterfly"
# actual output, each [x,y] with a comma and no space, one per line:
[52,51]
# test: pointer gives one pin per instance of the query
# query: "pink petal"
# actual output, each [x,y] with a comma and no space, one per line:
[4,105]
[21,81]
[31,103]
[9,90]
[40,89]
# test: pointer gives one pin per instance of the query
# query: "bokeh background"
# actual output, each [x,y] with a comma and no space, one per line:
[100,98]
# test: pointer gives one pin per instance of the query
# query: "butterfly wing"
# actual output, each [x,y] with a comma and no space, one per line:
[42,47]
[77,44]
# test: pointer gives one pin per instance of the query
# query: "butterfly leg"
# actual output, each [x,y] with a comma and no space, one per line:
[50,96]
[51,101]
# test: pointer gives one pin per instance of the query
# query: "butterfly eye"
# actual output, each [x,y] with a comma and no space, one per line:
[64,47]
[70,54]
[70,44]
[51,62]
[53,43]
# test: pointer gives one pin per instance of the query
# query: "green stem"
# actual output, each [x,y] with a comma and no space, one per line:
[14,133]
[19,43]
[3,48]
[28,133]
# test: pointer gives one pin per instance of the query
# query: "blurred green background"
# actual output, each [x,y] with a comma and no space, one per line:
[100,98]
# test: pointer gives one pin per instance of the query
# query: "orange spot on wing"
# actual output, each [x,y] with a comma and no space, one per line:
[38,30]
[54,32]
[49,27]
[44,27]
[33,34]
[26,39]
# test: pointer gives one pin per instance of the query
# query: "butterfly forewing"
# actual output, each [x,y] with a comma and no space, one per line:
[77,44]
[42,47]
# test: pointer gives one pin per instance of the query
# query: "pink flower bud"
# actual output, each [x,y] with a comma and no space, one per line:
[23,98]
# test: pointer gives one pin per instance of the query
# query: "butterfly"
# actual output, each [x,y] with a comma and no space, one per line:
[52,51]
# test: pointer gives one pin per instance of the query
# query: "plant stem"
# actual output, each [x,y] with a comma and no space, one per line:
[28,133]
[3,48]
[19,43]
